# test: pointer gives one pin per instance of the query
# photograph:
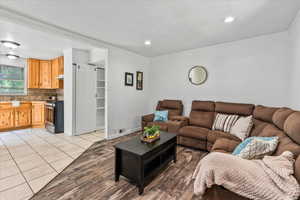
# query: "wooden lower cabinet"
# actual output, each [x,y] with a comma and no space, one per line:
[38,114]
[23,117]
[6,118]
[26,115]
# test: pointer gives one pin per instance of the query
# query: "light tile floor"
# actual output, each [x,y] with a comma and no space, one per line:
[30,158]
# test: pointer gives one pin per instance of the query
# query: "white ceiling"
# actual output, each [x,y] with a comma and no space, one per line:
[35,44]
[171,25]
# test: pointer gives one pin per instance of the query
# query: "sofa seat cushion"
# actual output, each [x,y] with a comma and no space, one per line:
[225,145]
[214,135]
[194,132]
[163,125]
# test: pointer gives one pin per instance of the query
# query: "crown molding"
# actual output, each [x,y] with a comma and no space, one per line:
[22,19]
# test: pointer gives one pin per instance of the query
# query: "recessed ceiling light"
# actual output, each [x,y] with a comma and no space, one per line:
[12,56]
[10,44]
[229,19]
[147,42]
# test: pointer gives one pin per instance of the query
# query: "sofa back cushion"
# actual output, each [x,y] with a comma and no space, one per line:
[234,108]
[202,114]
[264,113]
[292,126]
[174,107]
[280,116]
[285,142]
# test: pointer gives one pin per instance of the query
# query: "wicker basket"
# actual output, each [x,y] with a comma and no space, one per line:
[149,140]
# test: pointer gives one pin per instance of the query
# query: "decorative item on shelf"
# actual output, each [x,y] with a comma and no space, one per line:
[150,134]
[128,79]
[139,80]
[197,75]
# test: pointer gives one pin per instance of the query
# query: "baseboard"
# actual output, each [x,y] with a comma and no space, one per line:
[127,132]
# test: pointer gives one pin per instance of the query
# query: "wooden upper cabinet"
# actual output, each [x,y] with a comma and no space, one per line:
[57,69]
[33,73]
[61,65]
[55,73]
[45,74]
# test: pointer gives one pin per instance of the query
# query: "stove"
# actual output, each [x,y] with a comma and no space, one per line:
[54,116]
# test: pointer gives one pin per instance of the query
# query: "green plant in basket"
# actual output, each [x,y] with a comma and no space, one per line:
[151,132]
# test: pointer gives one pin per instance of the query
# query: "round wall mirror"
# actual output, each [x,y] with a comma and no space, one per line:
[197,75]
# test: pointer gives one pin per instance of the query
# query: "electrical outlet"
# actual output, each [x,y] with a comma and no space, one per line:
[121,130]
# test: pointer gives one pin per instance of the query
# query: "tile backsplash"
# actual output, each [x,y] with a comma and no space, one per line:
[34,95]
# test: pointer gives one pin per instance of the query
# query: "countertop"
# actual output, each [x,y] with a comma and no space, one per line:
[9,102]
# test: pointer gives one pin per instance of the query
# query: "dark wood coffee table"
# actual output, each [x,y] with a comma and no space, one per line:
[140,162]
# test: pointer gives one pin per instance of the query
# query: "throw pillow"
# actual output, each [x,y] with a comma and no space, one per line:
[256,147]
[161,115]
[242,127]
[224,122]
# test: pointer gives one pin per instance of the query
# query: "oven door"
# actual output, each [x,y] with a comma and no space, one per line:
[49,117]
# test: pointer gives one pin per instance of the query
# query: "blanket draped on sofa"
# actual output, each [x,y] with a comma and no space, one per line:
[270,178]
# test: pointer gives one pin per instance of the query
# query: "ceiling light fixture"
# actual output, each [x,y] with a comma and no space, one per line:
[147,42]
[10,44]
[229,19]
[12,56]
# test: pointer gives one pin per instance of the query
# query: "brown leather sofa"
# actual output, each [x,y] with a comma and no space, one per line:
[176,120]
[268,121]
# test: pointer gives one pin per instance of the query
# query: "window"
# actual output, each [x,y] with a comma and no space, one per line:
[12,80]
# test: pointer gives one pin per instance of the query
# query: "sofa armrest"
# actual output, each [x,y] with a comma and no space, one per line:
[174,126]
[148,118]
[225,145]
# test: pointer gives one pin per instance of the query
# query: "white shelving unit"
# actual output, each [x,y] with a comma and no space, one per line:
[100,98]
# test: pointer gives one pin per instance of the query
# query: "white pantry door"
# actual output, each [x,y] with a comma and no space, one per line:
[85,99]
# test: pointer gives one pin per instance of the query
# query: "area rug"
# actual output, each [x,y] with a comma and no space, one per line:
[91,177]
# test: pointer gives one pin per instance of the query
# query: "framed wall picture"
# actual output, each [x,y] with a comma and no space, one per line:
[128,79]
[139,80]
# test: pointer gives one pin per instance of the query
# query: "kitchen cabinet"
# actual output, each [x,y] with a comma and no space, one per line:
[23,115]
[28,114]
[45,74]
[57,69]
[6,117]
[38,114]
[33,73]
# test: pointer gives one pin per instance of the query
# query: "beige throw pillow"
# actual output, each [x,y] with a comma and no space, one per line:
[242,127]
[224,122]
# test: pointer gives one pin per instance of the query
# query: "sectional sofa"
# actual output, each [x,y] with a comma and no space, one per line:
[196,132]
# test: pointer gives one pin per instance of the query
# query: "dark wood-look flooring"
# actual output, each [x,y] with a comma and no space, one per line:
[91,177]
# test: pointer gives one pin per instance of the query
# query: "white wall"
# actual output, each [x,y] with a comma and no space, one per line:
[125,104]
[254,70]
[69,114]
[21,62]
[71,56]
[294,35]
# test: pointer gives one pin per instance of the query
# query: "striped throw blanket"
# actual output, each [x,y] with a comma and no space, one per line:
[270,178]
